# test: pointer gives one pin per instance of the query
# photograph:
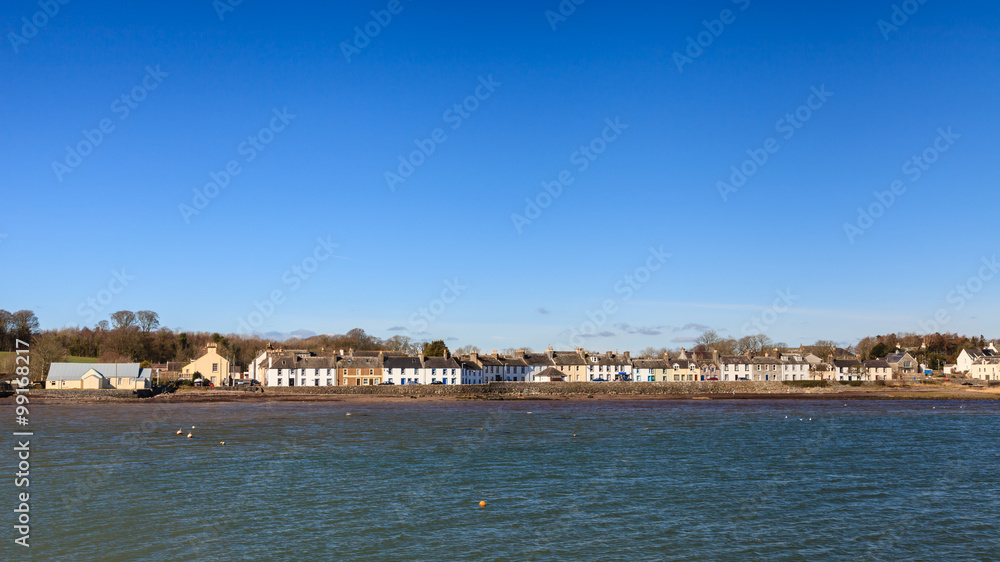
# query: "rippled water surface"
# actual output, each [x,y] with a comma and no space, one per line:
[658,480]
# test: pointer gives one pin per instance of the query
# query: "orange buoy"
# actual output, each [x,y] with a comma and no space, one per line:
[482,504]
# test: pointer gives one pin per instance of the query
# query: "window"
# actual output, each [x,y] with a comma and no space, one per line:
[316,382]
[279,382]
[345,372]
[215,367]
[371,371]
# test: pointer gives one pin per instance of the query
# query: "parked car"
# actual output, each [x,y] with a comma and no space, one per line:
[386,383]
[599,380]
[712,378]
[437,382]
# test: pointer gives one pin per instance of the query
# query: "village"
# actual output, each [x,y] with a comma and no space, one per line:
[304,368]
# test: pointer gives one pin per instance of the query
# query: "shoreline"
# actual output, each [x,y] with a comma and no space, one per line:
[513,393]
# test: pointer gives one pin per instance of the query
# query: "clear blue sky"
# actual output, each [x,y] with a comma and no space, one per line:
[217,81]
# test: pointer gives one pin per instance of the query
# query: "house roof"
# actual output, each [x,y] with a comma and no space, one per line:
[896,357]
[877,364]
[568,358]
[440,363]
[75,371]
[841,363]
[766,361]
[401,363]
[359,362]
[735,359]
[551,372]
[650,364]
[535,359]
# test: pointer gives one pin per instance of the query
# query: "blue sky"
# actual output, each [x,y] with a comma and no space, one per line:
[122,225]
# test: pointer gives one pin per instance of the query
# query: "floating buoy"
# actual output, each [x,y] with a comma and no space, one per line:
[192,427]
[810,419]
[529,412]
[222,442]
[574,435]
[348,413]
[190,436]
[786,417]
[482,504]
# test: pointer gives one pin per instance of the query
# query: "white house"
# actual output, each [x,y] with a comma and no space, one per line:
[969,356]
[878,369]
[439,370]
[735,367]
[301,369]
[795,368]
[986,369]
[850,370]
[609,367]
[401,370]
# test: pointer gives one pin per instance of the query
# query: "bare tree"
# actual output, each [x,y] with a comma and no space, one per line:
[148,320]
[103,326]
[708,339]
[46,350]
[6,328]
[123,319]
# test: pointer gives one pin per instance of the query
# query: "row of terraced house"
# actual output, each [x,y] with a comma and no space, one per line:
[288,368]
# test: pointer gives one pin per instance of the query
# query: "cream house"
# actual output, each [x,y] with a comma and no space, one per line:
[986,368]
[97,376]
[212,366]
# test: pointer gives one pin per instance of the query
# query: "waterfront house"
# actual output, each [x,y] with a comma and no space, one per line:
[735,367]
[572,363]
[535,362]
[471,369]
[849,370]
[515,369]
[550,374]
[210,365]
[97,376]
[878,369]
[354,370]
[609,367]
[902,363]
[766,368]
[650,370]
[493,367]
[301,369]
[401,370]
[439,370]
[682,370]
[986,369]
[795,367]
[969,356]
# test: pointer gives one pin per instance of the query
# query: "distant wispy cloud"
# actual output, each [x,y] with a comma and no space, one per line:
[599,335]
[397,329]
[694,326]
[451,339]
[543,310]
[683,340]
[642,330]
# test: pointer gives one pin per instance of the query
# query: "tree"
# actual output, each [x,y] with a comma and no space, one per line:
[123,319]
[148,320]
[6,328]
[24,324]
[45,350]
[436,348]
[708,339]
[466,350]
[103,326]
[880,350]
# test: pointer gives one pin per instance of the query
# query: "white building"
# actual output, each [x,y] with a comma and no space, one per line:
[735,368]
[609,367]
[301,370]
[969,356]
[986,369]
[401,370]
[795,368]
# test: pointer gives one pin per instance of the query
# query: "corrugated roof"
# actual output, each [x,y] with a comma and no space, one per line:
[74,371]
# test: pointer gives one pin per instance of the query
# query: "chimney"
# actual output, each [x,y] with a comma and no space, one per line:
[549,352]
[474,356]
[715,355]
[607,354]
[628,356]
[420,356]
[447,354]
[519,354]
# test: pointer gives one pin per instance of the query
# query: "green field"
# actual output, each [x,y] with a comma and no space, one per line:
[69,359]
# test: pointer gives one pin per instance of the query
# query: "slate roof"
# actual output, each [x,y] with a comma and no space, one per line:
[401,363]
[682,364]
[74,371]
[766,361]
[551,372]
[846,363]
[568,358]
[535,359]
[650,364]
[359,363]
[735,360]
[440,363]
[877,364]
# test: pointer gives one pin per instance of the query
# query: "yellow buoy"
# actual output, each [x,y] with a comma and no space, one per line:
[482,504]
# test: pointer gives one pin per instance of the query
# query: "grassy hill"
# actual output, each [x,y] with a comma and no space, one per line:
[69,359]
